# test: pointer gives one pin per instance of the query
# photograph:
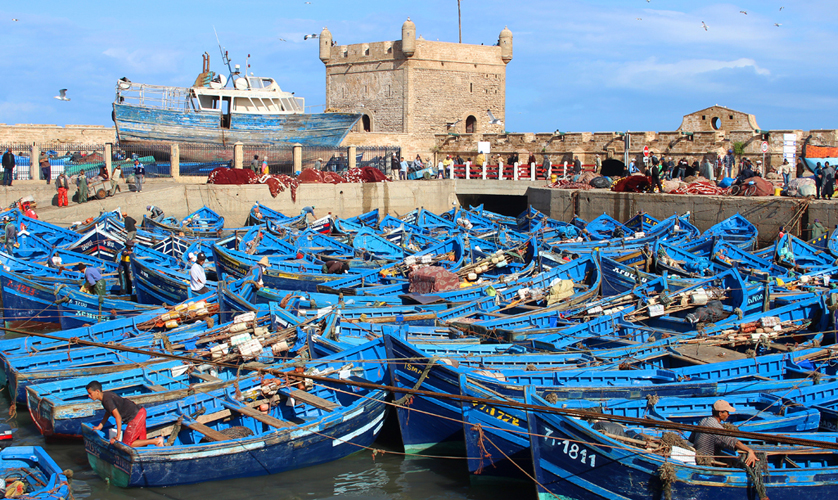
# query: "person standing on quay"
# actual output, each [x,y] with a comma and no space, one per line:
[828,187]
[8,167]
[81,183]
[729,163]
[403,166]
[577,166]
[45,168]
[597,164]
[254,164]
[62,185]
[139,175]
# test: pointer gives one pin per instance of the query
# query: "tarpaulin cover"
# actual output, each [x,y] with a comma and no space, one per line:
[601,182]
[612,168]
[587,177]
[764,188]
[821,152]
[632,184]
[802,187]
[711,313]
[432,279]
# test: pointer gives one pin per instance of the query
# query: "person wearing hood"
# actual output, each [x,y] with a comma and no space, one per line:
[729,163]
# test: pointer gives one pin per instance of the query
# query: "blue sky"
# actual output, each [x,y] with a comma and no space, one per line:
[578,66]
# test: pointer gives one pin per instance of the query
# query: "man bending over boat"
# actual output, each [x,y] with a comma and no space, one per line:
[122,410]
[708,446]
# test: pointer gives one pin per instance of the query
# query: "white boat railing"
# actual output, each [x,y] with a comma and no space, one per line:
[153,96]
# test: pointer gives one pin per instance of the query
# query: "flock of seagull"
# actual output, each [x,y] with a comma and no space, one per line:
[707,28]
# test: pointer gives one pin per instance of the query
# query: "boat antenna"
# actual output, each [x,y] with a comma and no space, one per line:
[224,57]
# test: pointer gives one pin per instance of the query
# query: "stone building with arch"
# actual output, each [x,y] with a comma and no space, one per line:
[410,90]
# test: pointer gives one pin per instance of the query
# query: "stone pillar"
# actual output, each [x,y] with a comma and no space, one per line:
[109,158]
[34,162]
[174,155]
[500,170]
[238,155]
[532,171]
[298,158]
[484,170]
[468,170]
[451,171]
[351,152]
[515,171]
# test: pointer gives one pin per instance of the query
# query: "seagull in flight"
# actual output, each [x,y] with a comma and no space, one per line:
[492,119]
[310,36]
[13,19]
[777,24]
[62,95]
[639,18]
[743,12]
[781,8]
[704,25]
[308,3]
[453,124]
[283,40]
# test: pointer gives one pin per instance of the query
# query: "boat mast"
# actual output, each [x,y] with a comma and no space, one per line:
[224,56]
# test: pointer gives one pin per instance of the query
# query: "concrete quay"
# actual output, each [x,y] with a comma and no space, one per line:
[346,200]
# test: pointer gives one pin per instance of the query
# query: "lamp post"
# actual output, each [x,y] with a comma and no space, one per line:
[459,21]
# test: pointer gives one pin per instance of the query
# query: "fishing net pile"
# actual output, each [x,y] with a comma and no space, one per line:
[432,279]
[278,183]
[763,187]
[633,184]
[568,184]
[700,187]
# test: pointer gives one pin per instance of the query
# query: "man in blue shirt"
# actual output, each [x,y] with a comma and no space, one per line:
[139,175]
[93,282]
[403,166]
[11,235]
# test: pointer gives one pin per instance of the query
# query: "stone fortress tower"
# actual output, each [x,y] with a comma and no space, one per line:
[410,89]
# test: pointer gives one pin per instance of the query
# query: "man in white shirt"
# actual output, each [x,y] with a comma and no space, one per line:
[197,278]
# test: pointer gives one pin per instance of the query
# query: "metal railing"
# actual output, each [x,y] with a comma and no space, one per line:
[153,96]
[201,159]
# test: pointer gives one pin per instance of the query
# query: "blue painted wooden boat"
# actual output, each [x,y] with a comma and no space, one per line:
[736,230]
[572,459]
[77,309]
[32,301]
[43,478]
[156,285]
[282,274]
[202,220]
[367,241]
[59,408]
[318,425]
[794,253]
[22,371]
[144,113]
[260,213]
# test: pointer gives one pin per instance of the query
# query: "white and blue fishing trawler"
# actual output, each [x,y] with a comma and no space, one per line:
[223,110]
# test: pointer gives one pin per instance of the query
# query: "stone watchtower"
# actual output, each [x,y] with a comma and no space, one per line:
[418,87]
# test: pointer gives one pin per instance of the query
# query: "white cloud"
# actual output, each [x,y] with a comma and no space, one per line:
[146,60]
[651,72]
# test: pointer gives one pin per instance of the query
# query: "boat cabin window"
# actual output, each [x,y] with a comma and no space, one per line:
[259,83]
[210,102]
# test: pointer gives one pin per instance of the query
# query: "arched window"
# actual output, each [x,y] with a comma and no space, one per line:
[367,123]
[471,121]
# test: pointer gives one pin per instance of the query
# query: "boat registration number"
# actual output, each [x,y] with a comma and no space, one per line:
[571,449]
[498,414]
